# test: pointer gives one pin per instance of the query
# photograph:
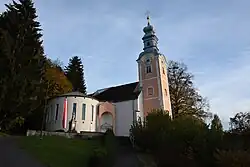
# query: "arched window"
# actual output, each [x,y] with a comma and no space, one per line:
[148,66]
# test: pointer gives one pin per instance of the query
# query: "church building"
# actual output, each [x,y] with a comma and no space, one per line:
[116,107]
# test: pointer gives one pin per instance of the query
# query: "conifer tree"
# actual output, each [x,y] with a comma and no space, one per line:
[216,124]
[22,63]
[75,73]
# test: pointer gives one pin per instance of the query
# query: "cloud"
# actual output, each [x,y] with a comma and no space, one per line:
[230,93]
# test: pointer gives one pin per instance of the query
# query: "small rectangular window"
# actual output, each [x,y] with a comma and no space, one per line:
[74,110]
[47,114]
[166,92]
[163,71]
[83,111]
[57,108]
[148,69]
[92,110]
[150,91]
[50,113]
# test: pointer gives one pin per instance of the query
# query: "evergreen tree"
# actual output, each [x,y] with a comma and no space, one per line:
[75,73]
[216,124]
[185,99]
[22,63]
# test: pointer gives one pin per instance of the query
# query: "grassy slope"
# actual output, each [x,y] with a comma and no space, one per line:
[58,151]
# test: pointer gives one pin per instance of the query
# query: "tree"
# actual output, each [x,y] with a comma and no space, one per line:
[232,158]
[215,136]
[22,63]
[240,122]
[57,81]
[216,124]
[75,73]
[183,138]
[57,63]
[185,99]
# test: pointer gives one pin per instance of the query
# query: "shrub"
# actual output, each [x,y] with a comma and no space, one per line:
[184,138]
[147,135]
[240,158]
[193,133]
[138,135]
[236,141]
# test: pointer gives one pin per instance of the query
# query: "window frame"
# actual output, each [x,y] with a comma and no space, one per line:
[92,112]
[148,69]
[148,66]
[57,111]
[51,113]
[83,111]
[152,91]
[47,114]
[74,107]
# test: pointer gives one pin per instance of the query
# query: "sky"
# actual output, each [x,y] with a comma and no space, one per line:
[211,37]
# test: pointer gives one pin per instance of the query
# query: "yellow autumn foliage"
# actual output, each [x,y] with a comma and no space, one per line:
[58,83]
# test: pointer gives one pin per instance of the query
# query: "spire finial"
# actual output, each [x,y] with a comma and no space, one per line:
[148,18]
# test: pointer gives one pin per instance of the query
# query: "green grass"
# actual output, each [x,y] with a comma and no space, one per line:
[59,151]
[3,134]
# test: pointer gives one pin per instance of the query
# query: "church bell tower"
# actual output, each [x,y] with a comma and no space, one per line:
[152,69]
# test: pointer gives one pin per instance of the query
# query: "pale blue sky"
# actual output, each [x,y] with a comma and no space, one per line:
[211,37]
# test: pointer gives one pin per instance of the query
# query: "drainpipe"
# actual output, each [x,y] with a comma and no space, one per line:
[130,137]
[133,109]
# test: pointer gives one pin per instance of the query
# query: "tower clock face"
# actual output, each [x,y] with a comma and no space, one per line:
[147,57]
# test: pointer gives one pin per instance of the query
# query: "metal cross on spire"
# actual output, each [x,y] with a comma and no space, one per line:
[148,18]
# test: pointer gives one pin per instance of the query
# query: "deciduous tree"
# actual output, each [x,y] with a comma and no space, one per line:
[57,81]
[240,122]
[185,98]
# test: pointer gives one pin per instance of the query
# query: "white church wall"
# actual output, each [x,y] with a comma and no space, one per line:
[51,121]
[87,124]
[125,115]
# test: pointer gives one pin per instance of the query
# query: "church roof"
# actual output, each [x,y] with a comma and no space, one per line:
[70,94]
[119,93]
[76,93]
